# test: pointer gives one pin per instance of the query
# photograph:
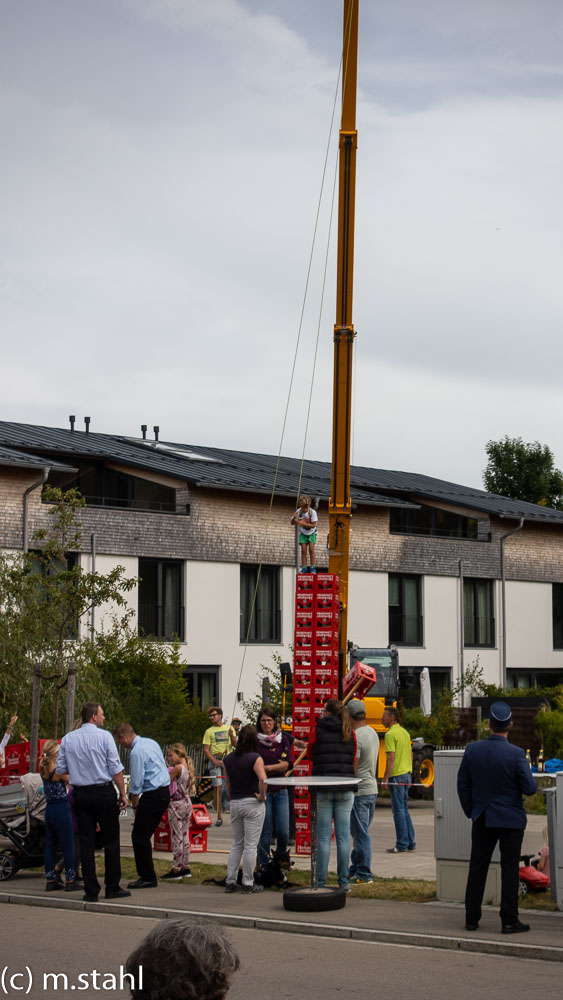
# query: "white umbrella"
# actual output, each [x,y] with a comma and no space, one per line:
[425,692]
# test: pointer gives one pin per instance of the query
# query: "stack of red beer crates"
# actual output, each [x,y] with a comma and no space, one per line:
[315,675]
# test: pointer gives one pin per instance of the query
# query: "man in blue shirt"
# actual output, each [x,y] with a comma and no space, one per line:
[89,756]
[149,791]
[492,778]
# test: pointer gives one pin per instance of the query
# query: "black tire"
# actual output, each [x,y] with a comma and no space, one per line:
[314,900]
[7,865]
[423,773]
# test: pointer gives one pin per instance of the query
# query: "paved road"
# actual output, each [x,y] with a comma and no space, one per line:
[290,966]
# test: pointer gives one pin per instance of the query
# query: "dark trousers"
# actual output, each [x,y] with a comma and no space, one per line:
[148,815]
[483,842]
[98,804]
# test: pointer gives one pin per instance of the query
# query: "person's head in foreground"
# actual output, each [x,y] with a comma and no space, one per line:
[183,959]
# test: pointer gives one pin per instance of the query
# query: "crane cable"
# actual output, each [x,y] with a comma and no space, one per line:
[293,370]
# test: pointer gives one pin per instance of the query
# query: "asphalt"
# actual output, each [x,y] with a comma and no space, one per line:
[427,925]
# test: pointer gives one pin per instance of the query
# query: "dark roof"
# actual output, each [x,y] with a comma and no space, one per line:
[221,468]
[23,460]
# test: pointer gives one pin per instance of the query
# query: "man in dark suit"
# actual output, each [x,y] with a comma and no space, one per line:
[492,778]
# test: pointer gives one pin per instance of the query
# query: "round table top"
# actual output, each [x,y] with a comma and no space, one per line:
[315,781]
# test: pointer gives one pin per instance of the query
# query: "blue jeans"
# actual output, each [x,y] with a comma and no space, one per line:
[404,830]
[360,821]
[58,830]
[335,806]
[277,807]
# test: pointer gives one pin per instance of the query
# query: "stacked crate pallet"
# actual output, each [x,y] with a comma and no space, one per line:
[315,675]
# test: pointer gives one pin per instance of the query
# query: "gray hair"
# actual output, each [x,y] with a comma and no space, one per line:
[183,959]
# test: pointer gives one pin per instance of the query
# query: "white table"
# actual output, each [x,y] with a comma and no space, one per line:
[313,783]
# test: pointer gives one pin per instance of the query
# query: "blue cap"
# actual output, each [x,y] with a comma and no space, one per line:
[500,712]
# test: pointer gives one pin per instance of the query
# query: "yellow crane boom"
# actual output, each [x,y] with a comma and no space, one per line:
[340,505]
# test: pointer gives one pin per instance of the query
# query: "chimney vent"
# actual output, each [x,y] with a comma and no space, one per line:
[72,421]
[87,424]
[156,430]
[144,431]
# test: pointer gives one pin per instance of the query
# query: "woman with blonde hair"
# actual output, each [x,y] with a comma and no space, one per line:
[182,785]
[58,824]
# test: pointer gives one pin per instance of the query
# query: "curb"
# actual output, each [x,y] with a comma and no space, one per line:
[411,939]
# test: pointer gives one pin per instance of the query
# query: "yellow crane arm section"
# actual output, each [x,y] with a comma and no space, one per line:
[340,506]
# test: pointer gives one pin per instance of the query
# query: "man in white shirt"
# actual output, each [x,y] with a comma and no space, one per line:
[89,756]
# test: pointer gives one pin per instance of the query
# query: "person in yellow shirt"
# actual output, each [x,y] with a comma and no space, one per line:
[218,741]
[398,778]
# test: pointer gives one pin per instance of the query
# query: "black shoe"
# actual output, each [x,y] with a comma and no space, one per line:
[55,883]
[186,873]
[143,883]
[218,822]
[516,928]
[172,876]
[231,887]
[247,889]
[471,927]
[73,886]
[89,899]
[117,893]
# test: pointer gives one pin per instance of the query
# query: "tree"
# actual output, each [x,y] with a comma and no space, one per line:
[271,691]
[43,597]
[148,687]
[524,472]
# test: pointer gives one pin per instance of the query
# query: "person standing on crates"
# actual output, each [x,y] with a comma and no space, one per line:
[307,520]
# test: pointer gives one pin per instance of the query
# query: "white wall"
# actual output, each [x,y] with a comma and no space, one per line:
[529,626]
[105,564]
[213,629]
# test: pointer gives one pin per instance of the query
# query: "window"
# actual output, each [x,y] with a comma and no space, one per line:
[203,683]
[405,619]
[557,605]
[104,487]
[479,615]
[432,521]
[161,598]
[260,616]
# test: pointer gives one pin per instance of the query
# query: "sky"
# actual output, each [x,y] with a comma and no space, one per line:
[161,175]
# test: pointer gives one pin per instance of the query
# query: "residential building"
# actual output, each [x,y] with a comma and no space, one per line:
[216,558]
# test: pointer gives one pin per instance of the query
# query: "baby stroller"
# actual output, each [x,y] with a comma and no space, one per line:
[24,827]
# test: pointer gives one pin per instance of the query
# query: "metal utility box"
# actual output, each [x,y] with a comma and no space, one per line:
[554,801]
[452,835]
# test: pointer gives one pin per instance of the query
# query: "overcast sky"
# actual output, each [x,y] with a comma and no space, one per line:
[161,167]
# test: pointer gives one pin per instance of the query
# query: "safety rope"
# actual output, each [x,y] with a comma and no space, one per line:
[294,367]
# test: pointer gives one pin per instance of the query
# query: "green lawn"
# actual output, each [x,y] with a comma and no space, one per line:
[402,889]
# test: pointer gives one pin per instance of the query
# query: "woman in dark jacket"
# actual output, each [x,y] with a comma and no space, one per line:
[332,748]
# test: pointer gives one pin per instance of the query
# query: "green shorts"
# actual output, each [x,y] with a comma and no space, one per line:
[305,539]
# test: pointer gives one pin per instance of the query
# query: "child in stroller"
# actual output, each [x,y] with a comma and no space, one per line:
[23,824]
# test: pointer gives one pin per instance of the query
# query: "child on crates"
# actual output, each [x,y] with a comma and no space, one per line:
[306,518]
[58,824]
[182,785]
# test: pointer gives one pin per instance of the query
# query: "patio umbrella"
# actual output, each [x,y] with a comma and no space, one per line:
[425,692]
